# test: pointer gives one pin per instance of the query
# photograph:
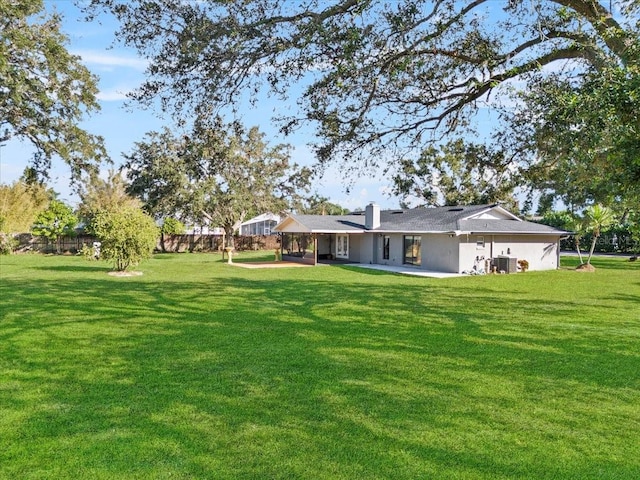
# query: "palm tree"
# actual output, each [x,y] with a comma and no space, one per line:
[576,225]
[597,218]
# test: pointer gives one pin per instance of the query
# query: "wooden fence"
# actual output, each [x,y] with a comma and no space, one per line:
[169,243]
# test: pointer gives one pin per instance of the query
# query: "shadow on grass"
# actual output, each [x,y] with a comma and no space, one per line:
[302,376]
[77,268]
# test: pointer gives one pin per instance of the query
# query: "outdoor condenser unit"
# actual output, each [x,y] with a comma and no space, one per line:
[506,264]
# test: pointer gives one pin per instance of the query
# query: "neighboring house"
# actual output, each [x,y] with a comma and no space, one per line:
[203,230]
[443,239]
[260,225]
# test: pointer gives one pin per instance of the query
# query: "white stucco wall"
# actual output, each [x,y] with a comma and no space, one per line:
[355,248]
[540,251]
[440,252]
[474,249]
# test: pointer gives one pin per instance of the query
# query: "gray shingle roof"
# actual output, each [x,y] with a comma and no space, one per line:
[506,226]
[331,222]
[423,220]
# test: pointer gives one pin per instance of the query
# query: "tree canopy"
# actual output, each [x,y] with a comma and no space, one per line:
[100,194]
[457,173]
[44,90]
[371,75]
[218,174]
[587,136]
[56,221]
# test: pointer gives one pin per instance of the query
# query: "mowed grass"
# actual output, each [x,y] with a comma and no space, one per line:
[198,369]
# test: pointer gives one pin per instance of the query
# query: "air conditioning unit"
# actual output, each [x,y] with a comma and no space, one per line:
[506,264]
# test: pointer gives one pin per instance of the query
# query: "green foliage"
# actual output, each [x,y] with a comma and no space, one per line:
[596,219]
[97,194]
[128,236]
[171,226]
[457,173]
[218,175]
[56,221]
[7,243]
[563,220]
[88,252]
[586,135]
[20,203]
[319,205]
[378,77]
[46,91]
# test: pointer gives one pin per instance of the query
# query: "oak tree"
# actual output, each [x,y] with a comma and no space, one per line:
[45,91]
[374,77]
[457,173]
[218,174]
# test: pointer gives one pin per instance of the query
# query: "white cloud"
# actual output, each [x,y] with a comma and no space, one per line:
[109,61]
[113,95]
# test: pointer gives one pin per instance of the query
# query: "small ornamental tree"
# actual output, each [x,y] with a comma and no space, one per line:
[171,226]
[57,221]
[596,219]
[128,236]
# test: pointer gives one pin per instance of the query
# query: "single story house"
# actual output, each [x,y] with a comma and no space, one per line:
[445,239]
[260,225]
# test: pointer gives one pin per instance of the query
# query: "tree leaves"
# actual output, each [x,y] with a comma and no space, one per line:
[44,90]
[371,76]
[219,174]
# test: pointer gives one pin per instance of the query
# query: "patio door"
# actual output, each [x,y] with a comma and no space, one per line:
[342,246]
[412,250]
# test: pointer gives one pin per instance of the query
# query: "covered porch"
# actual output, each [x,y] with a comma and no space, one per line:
[315,248]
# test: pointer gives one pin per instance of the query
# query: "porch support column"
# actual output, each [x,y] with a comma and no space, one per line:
[315,249]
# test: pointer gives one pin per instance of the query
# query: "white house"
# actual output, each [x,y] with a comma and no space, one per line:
[444,239]
[260,225]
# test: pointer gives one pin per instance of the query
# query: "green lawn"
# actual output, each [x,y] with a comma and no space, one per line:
[198,369]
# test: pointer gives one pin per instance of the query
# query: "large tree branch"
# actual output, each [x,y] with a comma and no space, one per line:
[608,29]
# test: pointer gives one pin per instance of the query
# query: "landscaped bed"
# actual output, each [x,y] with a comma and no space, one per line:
[197,369]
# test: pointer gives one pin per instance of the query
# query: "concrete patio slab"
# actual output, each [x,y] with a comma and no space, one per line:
[407,271]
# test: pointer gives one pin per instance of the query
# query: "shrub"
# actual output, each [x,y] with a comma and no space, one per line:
[127,234]
[7,243]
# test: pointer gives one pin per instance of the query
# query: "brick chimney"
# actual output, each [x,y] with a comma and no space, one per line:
[372,216]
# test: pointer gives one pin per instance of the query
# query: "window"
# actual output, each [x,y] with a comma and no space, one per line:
[386,240]
[479,243]
[412,250]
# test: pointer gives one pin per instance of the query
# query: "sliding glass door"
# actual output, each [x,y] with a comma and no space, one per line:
[412,250]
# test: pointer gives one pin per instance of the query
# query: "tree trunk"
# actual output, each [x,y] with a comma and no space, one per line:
[228,230]
[593,246]
[162,247]
[578,250]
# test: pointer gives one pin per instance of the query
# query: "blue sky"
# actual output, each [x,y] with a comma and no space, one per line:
[120,70]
